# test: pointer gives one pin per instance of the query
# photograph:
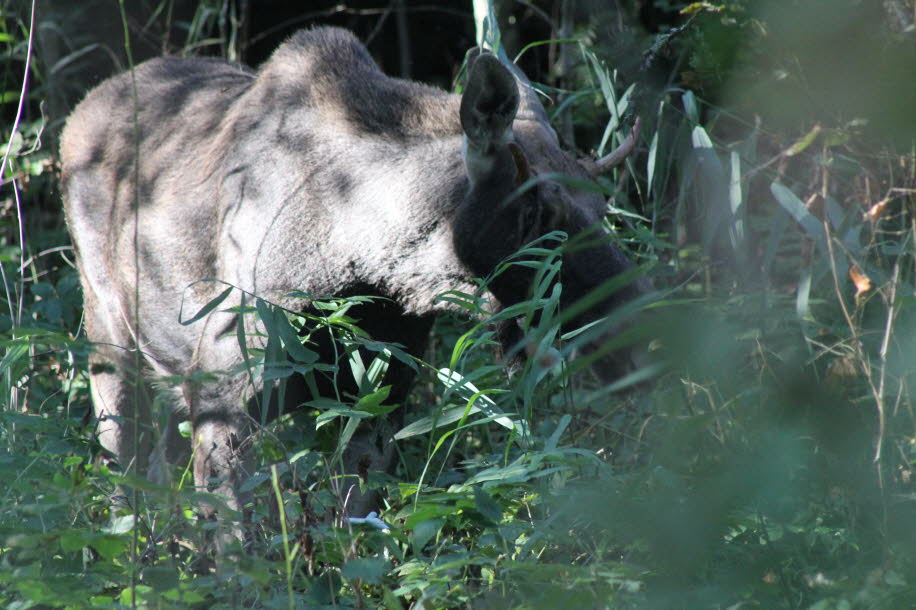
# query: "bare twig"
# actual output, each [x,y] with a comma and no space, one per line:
[23,89]
[885,345]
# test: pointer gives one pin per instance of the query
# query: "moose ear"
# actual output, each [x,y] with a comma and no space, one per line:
[489,103]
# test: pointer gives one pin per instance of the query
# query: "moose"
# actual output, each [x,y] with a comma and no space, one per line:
[315,174]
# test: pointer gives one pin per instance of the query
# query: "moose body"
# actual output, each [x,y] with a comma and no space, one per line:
[317,174]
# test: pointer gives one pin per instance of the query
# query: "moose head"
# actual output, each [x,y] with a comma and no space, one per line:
[509,148]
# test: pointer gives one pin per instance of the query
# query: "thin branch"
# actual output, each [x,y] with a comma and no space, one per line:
[22,91]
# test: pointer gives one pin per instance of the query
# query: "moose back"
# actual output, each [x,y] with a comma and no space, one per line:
[317,174]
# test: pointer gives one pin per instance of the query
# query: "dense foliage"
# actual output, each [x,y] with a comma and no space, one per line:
[763,459]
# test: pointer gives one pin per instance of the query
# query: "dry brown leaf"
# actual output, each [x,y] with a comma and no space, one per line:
[841,372]
[875,211]
[861,281]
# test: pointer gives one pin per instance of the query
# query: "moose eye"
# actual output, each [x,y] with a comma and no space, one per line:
[530,221]
[531,216]
[544,212]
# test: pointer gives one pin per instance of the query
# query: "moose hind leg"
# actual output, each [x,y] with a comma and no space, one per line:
[120,398]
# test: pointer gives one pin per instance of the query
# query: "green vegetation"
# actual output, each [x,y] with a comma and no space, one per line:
[767,462]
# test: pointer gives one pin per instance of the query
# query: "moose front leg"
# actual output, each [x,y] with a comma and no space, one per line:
[221,456]
[371,449]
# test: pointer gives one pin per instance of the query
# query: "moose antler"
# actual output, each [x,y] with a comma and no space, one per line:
[609,162]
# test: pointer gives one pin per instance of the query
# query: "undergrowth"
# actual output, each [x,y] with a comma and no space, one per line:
[762,459]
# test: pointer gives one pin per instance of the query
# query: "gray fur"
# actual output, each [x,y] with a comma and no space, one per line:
[317,173]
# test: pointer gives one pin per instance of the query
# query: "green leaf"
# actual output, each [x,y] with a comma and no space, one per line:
[291,340]
[254,481]
[121,524]
[802,297]
[340,410]
[651,161]
[425,531]
[736,199]
[797,210]
[453,380]
[161,578]
[477,402]
[14,353]
[372,403]
[345,436]
[109,546]
[206,309]
[425,424]
[370,570]
[554,439]
[804,142]
[73,540]
[487,506]
[138,594]
[377,369]
[690,107]
[517,472]
[700,139]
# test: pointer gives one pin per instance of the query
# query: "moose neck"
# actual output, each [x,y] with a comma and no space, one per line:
[377,219]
